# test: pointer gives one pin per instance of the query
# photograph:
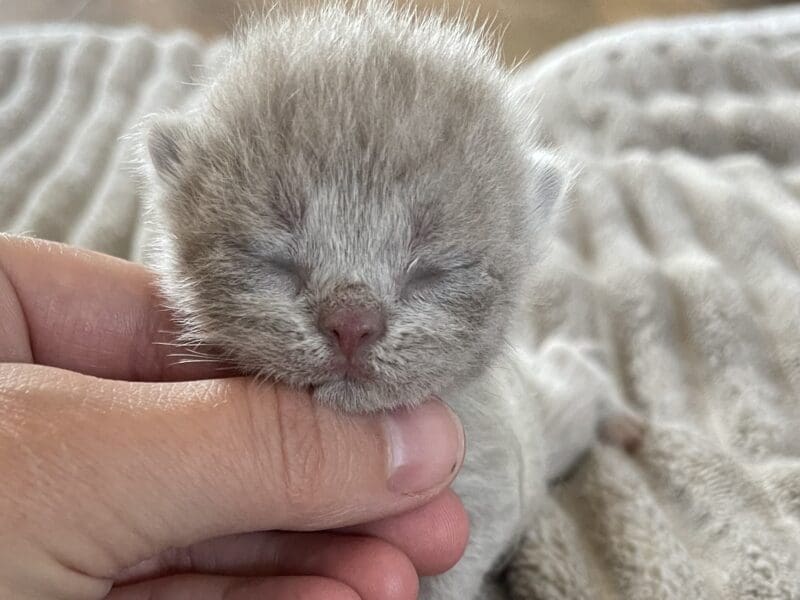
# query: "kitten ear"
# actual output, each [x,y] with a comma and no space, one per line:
[550,182]
[166,142]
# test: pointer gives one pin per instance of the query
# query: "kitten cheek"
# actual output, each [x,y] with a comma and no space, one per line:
[289,279]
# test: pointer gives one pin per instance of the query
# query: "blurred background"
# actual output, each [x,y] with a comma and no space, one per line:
[534,26]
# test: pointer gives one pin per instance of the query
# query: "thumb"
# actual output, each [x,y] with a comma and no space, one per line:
[111,473]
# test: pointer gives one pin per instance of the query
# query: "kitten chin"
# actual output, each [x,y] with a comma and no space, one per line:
[362,397]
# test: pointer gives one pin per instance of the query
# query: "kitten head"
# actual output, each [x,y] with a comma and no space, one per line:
[352,206]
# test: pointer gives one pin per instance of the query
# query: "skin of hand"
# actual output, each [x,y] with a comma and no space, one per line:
[126,475]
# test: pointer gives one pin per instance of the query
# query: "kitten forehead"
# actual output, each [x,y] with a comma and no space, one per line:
[357,226]
[367,80]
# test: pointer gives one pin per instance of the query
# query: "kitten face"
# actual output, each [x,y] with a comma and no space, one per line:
[354,215]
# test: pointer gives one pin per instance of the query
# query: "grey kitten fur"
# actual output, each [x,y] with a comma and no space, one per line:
[369,156]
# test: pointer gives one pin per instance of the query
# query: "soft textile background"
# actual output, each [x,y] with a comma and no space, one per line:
[678,263]
[530,26]
[675,267]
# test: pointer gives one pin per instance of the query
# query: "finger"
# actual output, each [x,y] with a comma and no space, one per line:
[373,568]
[433,536]
[209,587]
[87,312]
[158,465]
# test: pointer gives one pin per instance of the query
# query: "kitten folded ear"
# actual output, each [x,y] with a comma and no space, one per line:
[550,183]
[166,142]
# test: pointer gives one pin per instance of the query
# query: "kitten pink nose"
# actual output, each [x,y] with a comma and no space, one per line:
[353,328]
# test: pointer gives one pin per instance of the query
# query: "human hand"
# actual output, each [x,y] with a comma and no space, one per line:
[125,475]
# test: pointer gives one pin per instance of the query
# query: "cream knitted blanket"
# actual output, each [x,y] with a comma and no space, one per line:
[678,261]
[68,97]
[676,268]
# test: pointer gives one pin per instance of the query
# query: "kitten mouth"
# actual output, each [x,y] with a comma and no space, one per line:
[351,371]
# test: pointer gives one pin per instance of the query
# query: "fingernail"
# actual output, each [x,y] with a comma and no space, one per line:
[426,446]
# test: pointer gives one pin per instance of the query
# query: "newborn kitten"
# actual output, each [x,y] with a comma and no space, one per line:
[352,208]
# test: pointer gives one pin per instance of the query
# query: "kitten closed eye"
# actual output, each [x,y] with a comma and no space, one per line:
[420,275]
[284,266]
[424,275]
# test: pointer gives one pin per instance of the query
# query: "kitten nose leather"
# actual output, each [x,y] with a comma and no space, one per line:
[354,328]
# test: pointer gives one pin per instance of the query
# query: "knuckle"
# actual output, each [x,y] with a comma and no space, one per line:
[288,445]
[302,456]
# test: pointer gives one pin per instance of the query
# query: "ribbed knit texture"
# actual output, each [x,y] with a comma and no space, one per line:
[68,97]
[677,258]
